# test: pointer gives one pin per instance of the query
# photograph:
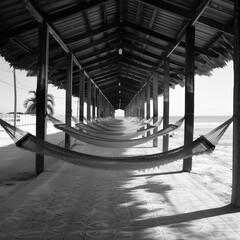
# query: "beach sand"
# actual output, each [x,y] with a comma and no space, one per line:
[17,166]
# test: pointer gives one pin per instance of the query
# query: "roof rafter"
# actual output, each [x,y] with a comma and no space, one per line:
[40,17]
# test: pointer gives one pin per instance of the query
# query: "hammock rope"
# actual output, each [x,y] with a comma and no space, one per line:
[203,144]
[113,143]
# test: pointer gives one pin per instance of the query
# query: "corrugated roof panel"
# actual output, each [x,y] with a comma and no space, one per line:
[13,14]
[140,47]
[183,4]
[167,24]
[53,6]
[72,25]
[204,35]
[130,10]
[94,17]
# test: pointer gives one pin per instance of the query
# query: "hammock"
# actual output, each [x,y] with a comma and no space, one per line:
[113,143]
[203,144]
[118,129]
[98,133]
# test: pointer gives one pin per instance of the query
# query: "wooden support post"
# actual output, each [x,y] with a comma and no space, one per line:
[142,104]
[81,94]
[89,98]
[68,115]
[138,105]
[148,93]
[101,105]
[41,93]
[98,102]
[143,97]
[155,105]
[94,102]
[166,102]
[236,110]
[189,93]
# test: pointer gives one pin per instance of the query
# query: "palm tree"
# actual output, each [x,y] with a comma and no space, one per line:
[30,103]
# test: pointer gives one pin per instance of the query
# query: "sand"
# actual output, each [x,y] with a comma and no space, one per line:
[17,167]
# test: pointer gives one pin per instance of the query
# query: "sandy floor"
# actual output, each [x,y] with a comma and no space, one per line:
[68,202]
[17,167]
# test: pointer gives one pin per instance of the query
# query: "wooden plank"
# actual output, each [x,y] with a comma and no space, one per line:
[166,102]
[148,93]
[94,102]
[189,94]
[89,98]
[235,200]
[41,93]
[155,105]
[98,102]
[142,103]
[68,114]
[81,95]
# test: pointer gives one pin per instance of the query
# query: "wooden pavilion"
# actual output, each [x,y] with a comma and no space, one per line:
[122,53]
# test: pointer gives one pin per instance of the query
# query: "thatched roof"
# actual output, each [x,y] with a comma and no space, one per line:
[94,30]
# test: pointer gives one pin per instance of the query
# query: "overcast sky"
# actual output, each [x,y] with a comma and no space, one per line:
[213,95]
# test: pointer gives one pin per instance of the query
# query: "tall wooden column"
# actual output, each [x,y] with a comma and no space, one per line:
[98,102]
[236,110]
[89,98]
[143,97]
[68,114]
[94,102]
[81,94]
[41,93]
[148,96]
[166,103]
[155,105]
[189,93]
[138,105]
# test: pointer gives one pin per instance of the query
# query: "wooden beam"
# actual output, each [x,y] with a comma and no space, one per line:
[148,93]
[100,59]
[90,33]
[94,102]
[158,46]
[77,50]
[89,98]
[41,17]
[167,39]
[68,114]
[56,16]
[160,4]
[168,7]
[81,95]
[189,94]
[235,200]
[155,105]
[98,102]
[166,103]
[41,93]
[142,102]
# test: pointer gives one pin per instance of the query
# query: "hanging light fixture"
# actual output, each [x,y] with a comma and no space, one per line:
[120,51]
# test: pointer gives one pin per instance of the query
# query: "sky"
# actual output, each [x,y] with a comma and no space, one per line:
[213,95]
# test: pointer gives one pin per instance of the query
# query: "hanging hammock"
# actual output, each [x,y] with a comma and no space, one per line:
[112,143]
[203,144]
[103,134]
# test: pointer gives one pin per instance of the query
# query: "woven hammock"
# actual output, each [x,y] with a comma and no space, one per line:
[203,144]
[103,134]
[112,143]
[120,129]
